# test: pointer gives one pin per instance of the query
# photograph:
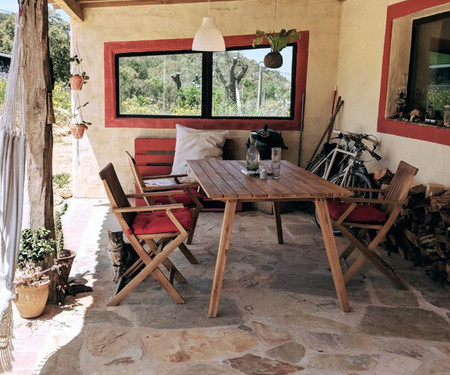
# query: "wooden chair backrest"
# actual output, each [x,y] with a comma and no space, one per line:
[136,173]
[116,195]
[154,156]
[399,187]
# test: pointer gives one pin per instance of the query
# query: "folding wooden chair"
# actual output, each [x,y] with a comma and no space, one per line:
[153,231]
[189,197]
[357,214]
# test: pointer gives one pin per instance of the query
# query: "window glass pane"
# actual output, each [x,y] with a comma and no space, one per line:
[160,85]
[429,79]
[244,87]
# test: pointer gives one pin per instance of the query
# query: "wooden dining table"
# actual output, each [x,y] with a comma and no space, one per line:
[224,180]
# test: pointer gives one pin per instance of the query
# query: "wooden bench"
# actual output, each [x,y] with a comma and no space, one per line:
[154,156]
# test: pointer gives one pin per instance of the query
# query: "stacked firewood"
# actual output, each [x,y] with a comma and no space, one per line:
[422,231]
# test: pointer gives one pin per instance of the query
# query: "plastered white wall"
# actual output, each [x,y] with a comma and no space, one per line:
[103,145]
[359,77]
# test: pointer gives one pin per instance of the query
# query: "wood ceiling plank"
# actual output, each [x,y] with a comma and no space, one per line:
[120,3]
[71,7]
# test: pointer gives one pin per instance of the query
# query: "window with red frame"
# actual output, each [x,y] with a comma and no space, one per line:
[159,83]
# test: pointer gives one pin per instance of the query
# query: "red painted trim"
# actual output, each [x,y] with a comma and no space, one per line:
[111,119]
[385,125]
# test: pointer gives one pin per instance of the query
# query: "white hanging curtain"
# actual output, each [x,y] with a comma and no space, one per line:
[12,177]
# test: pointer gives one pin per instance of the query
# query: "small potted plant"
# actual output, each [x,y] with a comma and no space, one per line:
[78,125]
[79,77]
[277,42]
[31,282]
[65,258]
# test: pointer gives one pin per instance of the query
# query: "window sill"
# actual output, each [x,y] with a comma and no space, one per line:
[414,130]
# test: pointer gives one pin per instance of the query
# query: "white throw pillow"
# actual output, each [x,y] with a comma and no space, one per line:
[195,144]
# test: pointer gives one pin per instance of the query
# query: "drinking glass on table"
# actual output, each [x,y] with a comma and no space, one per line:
[275,162]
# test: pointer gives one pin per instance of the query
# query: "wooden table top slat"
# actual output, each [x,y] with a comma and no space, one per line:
[220,183]
[321,185]
[231,179]
[206,183]
[248,182]
[223,179]
[270,187]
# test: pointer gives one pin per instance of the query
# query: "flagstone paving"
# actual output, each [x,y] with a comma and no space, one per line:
[278,313]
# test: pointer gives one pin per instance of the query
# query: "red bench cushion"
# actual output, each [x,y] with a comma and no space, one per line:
[158,222]
[366,213]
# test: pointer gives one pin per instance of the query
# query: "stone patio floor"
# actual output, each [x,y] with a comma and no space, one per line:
[278,312]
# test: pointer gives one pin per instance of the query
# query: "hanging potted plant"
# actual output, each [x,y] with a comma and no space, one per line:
[79,77]
[277,42]
[78,126]
[31,282]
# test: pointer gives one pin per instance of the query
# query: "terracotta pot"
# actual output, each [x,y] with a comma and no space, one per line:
[31,300]
[78,130]
[76,82]
[273,60]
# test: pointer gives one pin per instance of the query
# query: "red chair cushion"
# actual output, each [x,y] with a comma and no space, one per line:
[179,198]
[366,213]
[158,222]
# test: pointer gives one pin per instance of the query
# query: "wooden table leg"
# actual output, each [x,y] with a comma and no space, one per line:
[224,244]
[277,217]
[332,253]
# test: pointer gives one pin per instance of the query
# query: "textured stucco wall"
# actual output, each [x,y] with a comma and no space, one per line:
[102,145]
[359,76]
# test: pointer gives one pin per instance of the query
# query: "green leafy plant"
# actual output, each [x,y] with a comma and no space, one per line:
[77,117]
[61,179]
[31,275]
[78,70]
[59,232]
[277,41]
[35,246]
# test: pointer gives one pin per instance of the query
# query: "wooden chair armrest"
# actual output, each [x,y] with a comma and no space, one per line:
[156,194]
[161,207]
[366,189]
[169,187]
[164,176]
[375,201]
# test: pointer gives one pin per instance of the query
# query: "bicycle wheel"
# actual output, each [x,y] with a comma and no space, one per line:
[354,179]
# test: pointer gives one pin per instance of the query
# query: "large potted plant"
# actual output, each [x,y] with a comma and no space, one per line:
[79,77]
[277,42]
[31,282]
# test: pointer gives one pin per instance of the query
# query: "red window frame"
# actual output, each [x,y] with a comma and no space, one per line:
[410,130]
[112,120]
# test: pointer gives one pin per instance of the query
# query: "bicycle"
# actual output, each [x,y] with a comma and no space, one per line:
[351,171]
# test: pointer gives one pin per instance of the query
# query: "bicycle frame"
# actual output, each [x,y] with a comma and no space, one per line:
[333,155]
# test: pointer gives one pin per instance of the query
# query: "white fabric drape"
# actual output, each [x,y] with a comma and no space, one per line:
[12,177]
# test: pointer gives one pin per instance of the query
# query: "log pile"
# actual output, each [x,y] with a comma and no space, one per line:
[422,231]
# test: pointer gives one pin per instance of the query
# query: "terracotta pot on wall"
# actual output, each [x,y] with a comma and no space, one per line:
[76,82]
[273,60]
[31,300]
[78,130]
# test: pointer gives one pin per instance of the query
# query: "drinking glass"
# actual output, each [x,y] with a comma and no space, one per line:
[275,162]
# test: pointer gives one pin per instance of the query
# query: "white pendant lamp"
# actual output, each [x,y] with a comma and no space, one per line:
[208,38]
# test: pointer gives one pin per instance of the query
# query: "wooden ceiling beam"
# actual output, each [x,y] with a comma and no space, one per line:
[71,7]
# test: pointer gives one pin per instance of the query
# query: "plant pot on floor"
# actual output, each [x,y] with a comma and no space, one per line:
[31,300]
[78,130]
[76,82]
[64,266]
